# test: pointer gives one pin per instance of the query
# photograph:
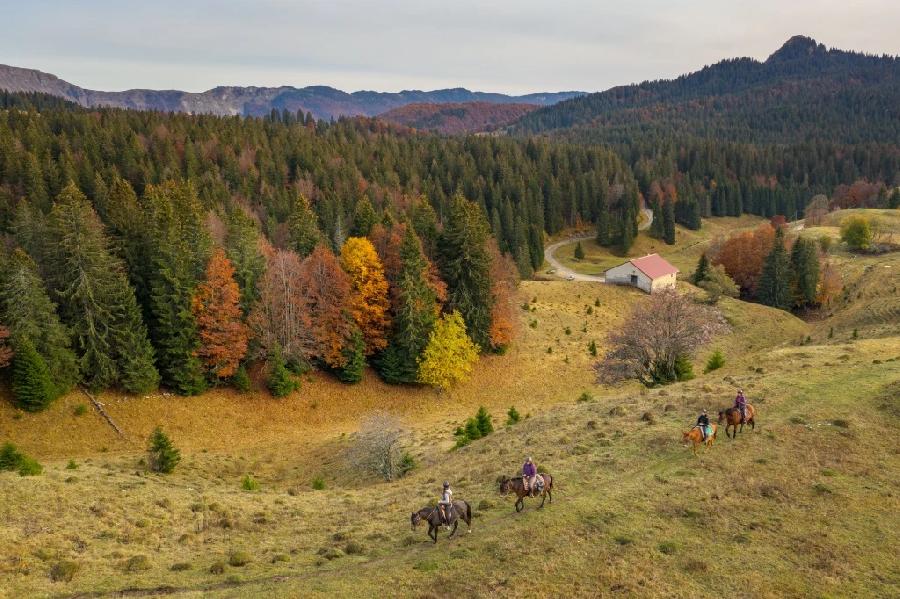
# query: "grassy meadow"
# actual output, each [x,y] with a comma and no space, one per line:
[806,505]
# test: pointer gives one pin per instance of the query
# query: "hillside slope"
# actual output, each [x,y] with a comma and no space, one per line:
[324,102]
[457,118]
[801,91]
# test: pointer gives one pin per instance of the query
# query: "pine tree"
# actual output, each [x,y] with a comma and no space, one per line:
[95,299]
[280,381]
[669,223]
[424,221]
[483,422]
[702,270]
[805,270]
[32,386]
[450,354]
[465,266]
[162,454]
[27,309]
[242,245]
[241,380]
[364,218]
[222,333]
[775,282]
[354,358]
[303,225]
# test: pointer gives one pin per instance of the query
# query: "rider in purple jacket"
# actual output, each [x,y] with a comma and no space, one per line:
[740,402]
[529,475]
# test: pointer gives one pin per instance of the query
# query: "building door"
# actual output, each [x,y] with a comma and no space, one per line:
[634,280]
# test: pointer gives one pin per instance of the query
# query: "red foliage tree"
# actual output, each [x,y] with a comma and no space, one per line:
[326,290]
[504,278]
[743,256]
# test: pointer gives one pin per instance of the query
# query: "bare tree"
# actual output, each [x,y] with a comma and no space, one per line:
[378,449]
[658,332]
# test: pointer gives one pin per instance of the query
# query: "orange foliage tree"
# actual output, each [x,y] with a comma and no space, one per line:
[327,291]
[504,279]
[217,311]
[368,301]
[743,256]
[830,284]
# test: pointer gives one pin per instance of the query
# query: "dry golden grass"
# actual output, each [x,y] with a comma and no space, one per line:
[808,502]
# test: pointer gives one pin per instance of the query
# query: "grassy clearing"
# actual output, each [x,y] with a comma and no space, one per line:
[808,501]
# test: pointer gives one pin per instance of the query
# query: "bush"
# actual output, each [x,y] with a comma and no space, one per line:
[592,348]
[684,370]
[475,428]
[248,483]
[71,465]
[180,567]
[378,447]
[63,571]
[238,559]
[585,397]
[483,421]
[716,361]
[241,380]
[512,416]
[217,568]
[162,456]
[318,483]
[11,459]
[667,547]
[354,548]
[80,410]
[825,243]
[579,251]
[137,563]
[857,233]
[280,382]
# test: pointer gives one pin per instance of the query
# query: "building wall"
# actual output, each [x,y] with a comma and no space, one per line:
[621,275]
[663,282]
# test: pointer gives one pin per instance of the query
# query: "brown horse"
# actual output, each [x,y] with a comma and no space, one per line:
[516,485]
[696,437]
[732,416]
[432,515]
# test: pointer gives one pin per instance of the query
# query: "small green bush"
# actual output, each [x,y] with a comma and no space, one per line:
[592,348]
[71,465]
[474,428]
[162,455]
[585,397]
[11,459]
[63,571]
[568,330]
[512,416]
[716,361]
[80,410]
[318,483]
[280,382]
[217,568]
[667,547]
[137,563]
[248,483]
[238,559]
[684,370]
[241,380]
[354,548]
[180,567]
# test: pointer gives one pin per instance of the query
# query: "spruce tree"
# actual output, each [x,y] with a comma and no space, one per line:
[364,218]
[702,270]
[354,353]
[95,299]
[242,247]
[805,270]
[579,251]
[657,228]
[162,454]
[280,381]
[774,287]
[603,224]
[669,223]
[465,267]
[28,310]
[627,233]
[424,221]
[303,226]
[32,387]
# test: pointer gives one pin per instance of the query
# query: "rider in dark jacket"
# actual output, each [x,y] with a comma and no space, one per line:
[703,423]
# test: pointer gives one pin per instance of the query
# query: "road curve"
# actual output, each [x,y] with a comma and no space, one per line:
[564,272]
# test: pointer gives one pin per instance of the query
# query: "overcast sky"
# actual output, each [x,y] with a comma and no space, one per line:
[516,46]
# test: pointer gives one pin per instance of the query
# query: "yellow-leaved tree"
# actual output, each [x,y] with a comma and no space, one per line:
[369,301]
[450,354]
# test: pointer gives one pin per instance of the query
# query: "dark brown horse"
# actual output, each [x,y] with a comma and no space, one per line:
[732,418]
[432,515]
[517,486]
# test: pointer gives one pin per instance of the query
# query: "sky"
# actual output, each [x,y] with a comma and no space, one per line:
[514,47]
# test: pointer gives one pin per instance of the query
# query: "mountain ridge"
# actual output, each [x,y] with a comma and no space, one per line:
[324,102]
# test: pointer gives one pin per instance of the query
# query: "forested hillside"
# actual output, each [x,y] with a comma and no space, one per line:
[457,118]
[747,136]
[146,247]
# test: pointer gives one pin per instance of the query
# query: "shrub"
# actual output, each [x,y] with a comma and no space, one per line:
[162,456]
[667,547]
[280,381]
[354,548]
[248,483]
[80,410]
[217,568]
[716,361]
[475,428]
[378,448]
[29,467]
[12,459]
[568,330]
[71,465]
[589,310]
[585,397]
[63,571]
[241,380]
[579,251]
[180,567]
[137,563]
[592,348]
[825,243]
[684,370]
[857,233]
[238,559]
[318,483]
[483,421]
[512,416]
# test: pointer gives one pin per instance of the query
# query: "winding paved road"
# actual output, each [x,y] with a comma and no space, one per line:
[564,272]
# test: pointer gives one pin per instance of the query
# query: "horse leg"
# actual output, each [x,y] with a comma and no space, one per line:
[550,495]
[520,503]
[432,532]
[752,425]
[543,500]
[453,530]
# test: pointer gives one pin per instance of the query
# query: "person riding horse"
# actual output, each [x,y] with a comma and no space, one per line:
[740,402]
[446,504]
[529,476]
[703,423]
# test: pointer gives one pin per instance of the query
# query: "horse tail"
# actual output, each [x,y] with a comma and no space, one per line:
[469,515]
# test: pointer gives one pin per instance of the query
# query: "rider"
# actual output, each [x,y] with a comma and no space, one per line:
[703,423]
[529,475]
[446,503]
[740,402]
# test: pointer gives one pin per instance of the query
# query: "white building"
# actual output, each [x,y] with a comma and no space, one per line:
[650,273]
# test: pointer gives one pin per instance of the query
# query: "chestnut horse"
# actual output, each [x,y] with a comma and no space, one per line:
[432,515]
[696,437]
[732,416]
[517,486]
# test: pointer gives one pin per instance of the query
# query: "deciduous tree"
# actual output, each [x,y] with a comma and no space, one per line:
[369,302]
[450,354]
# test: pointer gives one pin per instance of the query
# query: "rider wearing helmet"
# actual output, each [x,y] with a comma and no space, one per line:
[703,423]
[446,503]
[529,475]
[740,402]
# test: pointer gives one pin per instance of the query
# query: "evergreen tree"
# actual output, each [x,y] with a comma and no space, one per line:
[162,454]
[364,218]
[465,267]
[424,221]
[603,223]
[702,270]
[32,385]
[27,309]
[627,234]
[354,358]
[669,223]
[483,422]
[95,299]
[657,227]
[280,381]
[242,246]
[579,251]
[805,270]
[775,282]
[303,226]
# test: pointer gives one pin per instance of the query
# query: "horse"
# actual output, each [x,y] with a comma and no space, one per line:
[732,418]
[696,437]
[432,515]
[517,485]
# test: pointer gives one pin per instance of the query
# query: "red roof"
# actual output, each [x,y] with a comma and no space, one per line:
[653,266]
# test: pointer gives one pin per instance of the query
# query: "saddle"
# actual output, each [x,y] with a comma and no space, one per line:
[538,484]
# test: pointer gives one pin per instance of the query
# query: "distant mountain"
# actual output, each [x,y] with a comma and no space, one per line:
[457,118]
[324,102]
[802,92]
